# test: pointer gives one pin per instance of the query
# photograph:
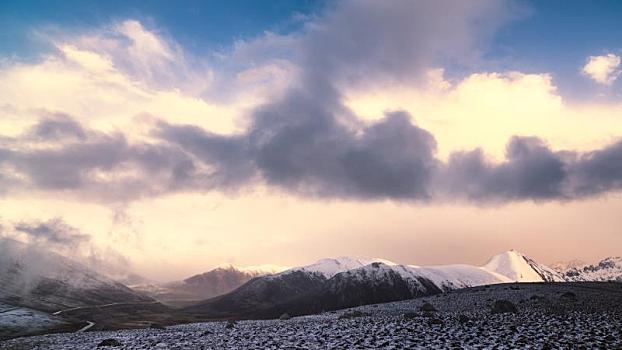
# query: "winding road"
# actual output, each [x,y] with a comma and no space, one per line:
[90,324]
[103,306]
[85,328]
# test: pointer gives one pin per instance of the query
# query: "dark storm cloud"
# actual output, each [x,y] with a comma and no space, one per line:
[390,158]
[598,171]
[101,166]
[316,156]
[532,171]
[228,157]
[54,231]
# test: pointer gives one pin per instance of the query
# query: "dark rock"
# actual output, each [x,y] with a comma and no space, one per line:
[503,306]
[109,342]
[230,324]
[409,315]
[427,307]
[435,320]
[463,319]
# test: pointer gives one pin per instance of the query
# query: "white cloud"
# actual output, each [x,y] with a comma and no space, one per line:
[486,109]
[111,77]
[603,69]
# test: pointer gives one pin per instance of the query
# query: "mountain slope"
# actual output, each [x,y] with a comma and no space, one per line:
[265,297]
[218,281]
[37,278]
[520,268]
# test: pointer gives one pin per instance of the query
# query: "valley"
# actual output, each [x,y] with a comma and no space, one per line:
[542,315]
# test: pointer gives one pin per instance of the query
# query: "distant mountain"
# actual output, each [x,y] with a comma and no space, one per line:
[343,282]
[40,279]
[609,269]
[520,268]
[218,281]
[566,265]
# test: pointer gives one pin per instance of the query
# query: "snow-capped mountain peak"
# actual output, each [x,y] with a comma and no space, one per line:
[329,267]
[520,268]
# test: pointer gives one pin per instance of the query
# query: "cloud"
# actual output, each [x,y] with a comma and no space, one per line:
[362,41]
[58,127]
[603,69]
[531,171]
[95,165]
[54,231]
[144,54]
[309,142]
[57,236]
[306,139]
[598,171]
[390,158]
[100,78]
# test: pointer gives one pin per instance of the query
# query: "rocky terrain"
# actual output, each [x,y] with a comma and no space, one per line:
[526,315]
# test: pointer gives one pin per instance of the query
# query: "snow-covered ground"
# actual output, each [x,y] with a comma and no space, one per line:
[19,320]
[549,316]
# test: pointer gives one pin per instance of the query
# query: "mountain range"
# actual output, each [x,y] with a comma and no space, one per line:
[609,269]
[331,284]
[39,279]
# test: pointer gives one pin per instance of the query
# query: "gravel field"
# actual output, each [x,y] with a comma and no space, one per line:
[555,315]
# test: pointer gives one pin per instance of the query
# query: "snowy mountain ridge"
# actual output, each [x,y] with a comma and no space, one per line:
[335,283]
[264,269]
[509,266]
[329,267]
[608,269]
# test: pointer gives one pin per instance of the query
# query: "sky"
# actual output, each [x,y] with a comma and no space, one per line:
[167,138]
